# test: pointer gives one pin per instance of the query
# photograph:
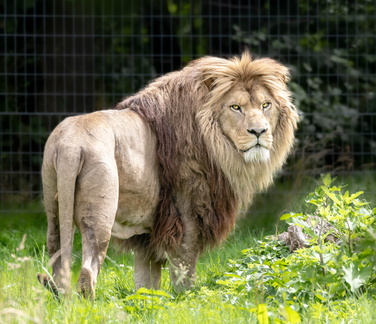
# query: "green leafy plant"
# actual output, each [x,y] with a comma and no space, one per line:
[325,270]
[266,284]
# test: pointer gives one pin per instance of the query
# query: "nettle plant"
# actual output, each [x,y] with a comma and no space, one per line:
[325,269]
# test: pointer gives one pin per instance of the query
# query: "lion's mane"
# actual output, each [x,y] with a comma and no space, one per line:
[194,159]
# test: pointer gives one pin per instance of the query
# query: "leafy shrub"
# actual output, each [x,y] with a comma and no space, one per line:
[324,271]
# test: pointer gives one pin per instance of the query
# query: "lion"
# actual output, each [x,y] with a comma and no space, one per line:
[167,171]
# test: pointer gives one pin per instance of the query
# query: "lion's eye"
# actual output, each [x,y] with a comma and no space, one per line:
[266,105]
[235,107]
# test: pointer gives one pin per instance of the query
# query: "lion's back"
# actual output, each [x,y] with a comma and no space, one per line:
[106,143]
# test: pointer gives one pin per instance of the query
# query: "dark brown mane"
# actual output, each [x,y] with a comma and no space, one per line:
[169,105]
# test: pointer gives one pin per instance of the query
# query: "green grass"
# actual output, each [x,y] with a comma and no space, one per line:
[23,300]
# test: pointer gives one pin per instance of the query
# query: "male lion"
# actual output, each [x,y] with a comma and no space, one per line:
[167,171]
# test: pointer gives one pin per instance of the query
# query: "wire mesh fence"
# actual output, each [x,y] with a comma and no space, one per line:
[66,57]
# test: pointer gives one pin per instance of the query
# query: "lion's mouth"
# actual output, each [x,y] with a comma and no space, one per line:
[257,146]
[256,153]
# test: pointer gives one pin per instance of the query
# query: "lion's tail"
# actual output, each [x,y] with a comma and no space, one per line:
[68,166]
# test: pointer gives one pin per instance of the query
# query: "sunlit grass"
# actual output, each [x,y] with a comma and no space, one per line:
[23,300]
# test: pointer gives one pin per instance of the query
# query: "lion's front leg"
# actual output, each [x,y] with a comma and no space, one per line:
[183,260]
[183,270]
[147,273]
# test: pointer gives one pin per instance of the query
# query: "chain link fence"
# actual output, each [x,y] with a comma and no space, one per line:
[65,57]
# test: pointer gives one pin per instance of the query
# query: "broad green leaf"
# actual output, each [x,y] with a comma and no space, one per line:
[354,196]
[359,203]
[292,315]
[365,273]
[230,283]
[162,293]
[262,314]
[299,222]
[334,218]
[352,277]
[290,215]
[313,202]
[326,179]
[335,188]
[286,216]
[233,275]
[372,233]
[331,195]
[130,308]
[312,198]
[153,292]
[344,212]
[324,211]
[141,297]
[144,291]
[309,231]
[250,310]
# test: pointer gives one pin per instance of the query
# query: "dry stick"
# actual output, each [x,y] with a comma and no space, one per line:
[350,232]
[320,245]
[320,240]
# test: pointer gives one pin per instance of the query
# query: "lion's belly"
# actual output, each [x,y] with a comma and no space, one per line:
[135,214]
[135,155]
[124,232]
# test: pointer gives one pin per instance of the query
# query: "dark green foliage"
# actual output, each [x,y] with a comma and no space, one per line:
[67,57]
[331,49]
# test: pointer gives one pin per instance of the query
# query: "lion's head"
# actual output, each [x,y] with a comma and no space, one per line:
[248,119]
[224,127]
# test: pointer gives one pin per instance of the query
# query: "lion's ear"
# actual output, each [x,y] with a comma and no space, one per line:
[209,83]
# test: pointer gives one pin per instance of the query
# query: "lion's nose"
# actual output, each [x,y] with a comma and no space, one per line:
[257,131]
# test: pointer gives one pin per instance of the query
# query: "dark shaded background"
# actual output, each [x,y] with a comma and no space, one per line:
[65,57]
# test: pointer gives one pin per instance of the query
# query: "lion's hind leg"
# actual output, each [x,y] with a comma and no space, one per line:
[53,231]
[95,240]
[96,210]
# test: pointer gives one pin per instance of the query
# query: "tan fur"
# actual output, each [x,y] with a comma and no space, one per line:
[169,170]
